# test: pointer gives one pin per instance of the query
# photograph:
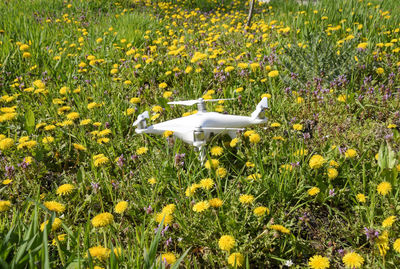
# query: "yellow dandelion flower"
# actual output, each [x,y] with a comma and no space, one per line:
[64,90]
[353,260]
[168,257]
[168,133]
[268,95]
[141,150]
[100,161]
[236,259]
[396,245]
[333,164]
[248,133]
[332,173]
[254,176]
[8,116]
[54,226]
[350,153]
[207,183]
[39,84]
[79,147]
[380,70]
[103,219]
[388,222]
[299,100]
[4,205]
[163,85]
[316,161]
[226,242]
[104,132]
[6,143]
[135,100]
[121,207]
[99,253]
[273,73]
[48,140]
[167,94]
[216,151]
[26,55]
[54,206]
[93,105]
[260,211]
[243,65]
[73,116]
[23,47]
[246,198]
[60,238]
[384,188]
[211,164]
[383,243]
[157,109]
[342,98]
[313,191]
[49,127]
[167,218]
[117,252]
[201,206]
[129,111]
[65,189]
[250,164]
[215,202]
[362,45]
[318,262]
[7,181]
[103,140]
[254,138]
[361,198]
[190,191]
[169,209]
[279,228]
[233,142]
[297,127]
[229,69]
[221,172]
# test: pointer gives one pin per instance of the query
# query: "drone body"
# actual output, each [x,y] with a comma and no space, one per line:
[198,128]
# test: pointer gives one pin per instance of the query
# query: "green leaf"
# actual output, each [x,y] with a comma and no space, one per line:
[73,265]
[391,158]
[177,263]
[386,157]
[29,120]
[382,157]
[45,257]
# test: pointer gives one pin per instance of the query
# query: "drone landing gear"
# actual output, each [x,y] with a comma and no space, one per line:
[202,153]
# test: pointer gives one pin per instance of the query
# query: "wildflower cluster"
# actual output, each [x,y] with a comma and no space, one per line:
[322,172]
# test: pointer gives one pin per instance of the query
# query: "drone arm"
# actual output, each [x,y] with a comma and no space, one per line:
[141,120]
[260,109]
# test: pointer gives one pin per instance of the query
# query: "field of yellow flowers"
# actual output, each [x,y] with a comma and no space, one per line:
[317,187]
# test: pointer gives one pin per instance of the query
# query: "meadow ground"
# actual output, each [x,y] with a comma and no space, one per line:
[316,187]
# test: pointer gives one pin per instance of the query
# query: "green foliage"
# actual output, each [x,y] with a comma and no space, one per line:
[69,71]
[24,245]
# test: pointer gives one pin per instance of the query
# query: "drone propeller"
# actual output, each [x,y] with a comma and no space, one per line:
[144,115]
[185,103]
[192,102]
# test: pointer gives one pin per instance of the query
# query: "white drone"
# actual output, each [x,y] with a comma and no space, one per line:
[199,128]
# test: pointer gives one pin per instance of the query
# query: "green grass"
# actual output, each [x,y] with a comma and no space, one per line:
[107,52]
